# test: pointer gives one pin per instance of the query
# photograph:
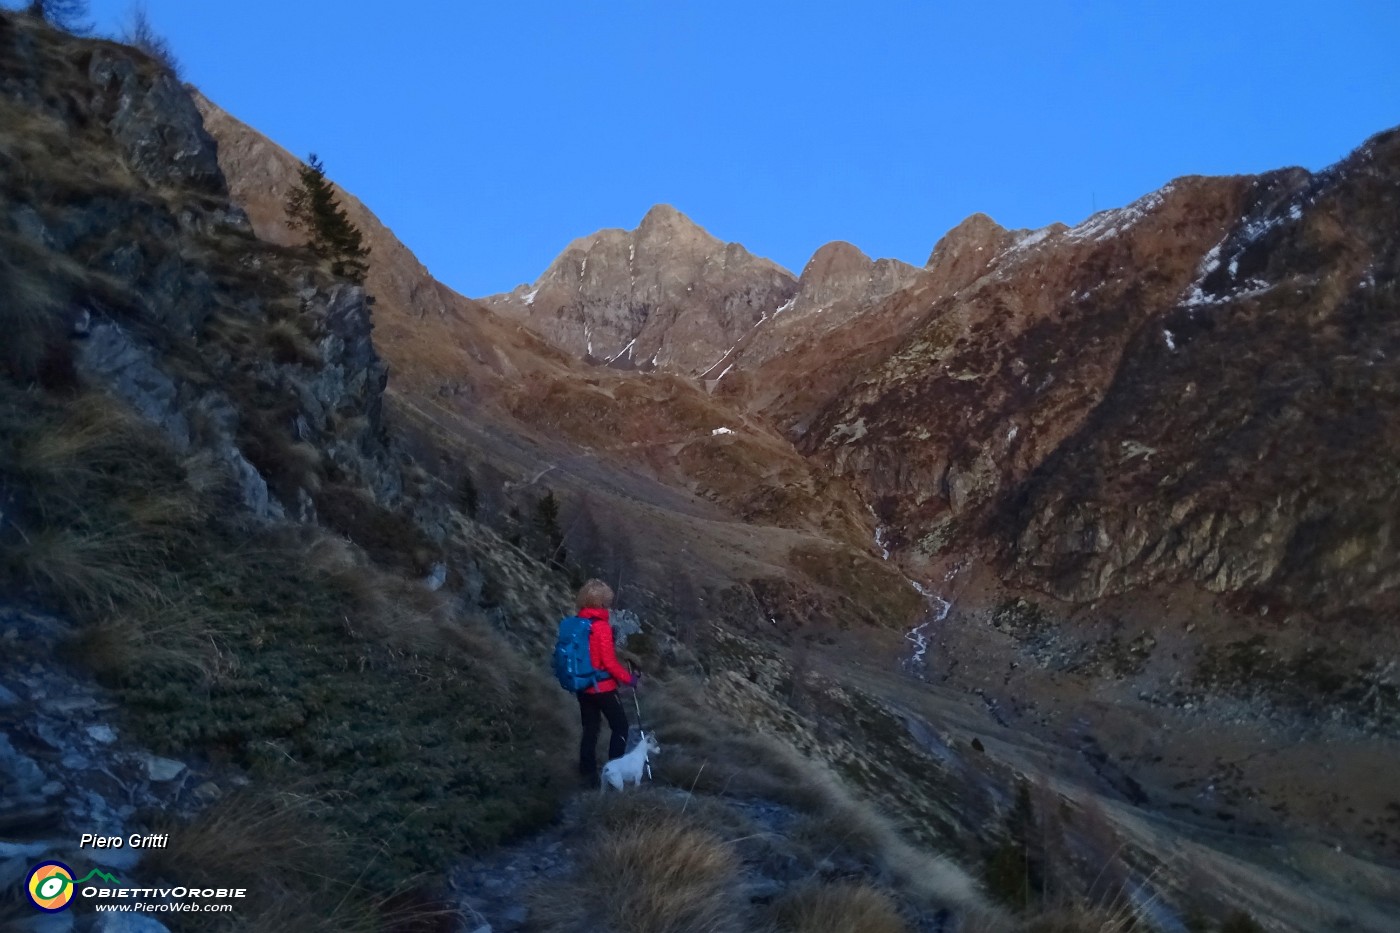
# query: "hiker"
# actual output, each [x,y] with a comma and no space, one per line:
[600,700]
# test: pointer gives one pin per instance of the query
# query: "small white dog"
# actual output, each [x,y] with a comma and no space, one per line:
[629,768]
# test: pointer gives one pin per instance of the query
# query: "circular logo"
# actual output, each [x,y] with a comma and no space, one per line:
[51,886]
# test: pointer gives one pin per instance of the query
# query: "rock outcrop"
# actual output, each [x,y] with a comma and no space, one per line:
[68,769]
[259,380]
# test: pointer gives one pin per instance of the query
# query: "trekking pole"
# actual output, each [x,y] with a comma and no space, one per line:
[638,704]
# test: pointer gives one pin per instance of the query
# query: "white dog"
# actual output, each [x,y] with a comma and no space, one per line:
[629,768]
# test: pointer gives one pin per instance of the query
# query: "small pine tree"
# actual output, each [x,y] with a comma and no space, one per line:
[70,15]
[512,526]
[1014,870]
[467,495]
[313,208]
[547,530]
[140,33]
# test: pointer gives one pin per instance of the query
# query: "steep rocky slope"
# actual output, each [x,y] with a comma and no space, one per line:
[1000,372]
[838,285]
[1163,393]
[462,348]
[798,366]
[677,477]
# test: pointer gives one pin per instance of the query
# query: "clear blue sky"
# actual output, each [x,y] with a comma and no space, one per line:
[488,135]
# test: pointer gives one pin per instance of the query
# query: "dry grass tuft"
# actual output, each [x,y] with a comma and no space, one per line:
[289,344]
[1085,920]
[390,537]
[664,874]
[85,443]
[649,804]
[304,461]
[180,638]
[291,864]
[407,617]
[106,510]
[839,908]
[35,291]
[91,570]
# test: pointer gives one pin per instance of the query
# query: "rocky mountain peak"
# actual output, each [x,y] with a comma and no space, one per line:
[839,285]
[968,250]
[835,258]
[666,294]
[840,274]
[665,219]
[976,229]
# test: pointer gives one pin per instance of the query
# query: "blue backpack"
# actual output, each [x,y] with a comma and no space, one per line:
[573,663]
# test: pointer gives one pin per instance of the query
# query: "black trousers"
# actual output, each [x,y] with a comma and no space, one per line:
[592,707]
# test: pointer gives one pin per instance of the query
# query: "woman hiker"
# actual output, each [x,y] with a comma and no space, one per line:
[601,700]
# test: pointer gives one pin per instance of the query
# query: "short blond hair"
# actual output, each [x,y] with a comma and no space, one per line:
[595,594]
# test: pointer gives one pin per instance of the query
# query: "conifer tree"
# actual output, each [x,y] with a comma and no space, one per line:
[467,494]
[547,529]
[313,208]
[65,14]
[140,33]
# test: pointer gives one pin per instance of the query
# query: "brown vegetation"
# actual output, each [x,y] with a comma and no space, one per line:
[656,872]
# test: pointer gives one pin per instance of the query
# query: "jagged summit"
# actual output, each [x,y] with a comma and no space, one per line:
[975,228]
[666,294]
[968,251]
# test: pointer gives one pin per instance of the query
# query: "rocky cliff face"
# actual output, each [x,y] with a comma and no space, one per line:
[1165,392]
[1259,406]
[665,295]
[1003,369]
[147,244]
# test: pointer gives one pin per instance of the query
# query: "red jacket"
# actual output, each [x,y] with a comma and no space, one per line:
[601,652]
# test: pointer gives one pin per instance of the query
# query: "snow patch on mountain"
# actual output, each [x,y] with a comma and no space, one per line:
[625,350]
[1106,224]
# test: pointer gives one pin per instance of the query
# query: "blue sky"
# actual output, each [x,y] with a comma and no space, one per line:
[489,135]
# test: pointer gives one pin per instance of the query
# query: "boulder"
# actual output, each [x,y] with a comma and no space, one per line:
[156,124]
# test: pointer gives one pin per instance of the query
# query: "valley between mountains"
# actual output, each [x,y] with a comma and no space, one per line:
[1116,449]
[1048,586]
